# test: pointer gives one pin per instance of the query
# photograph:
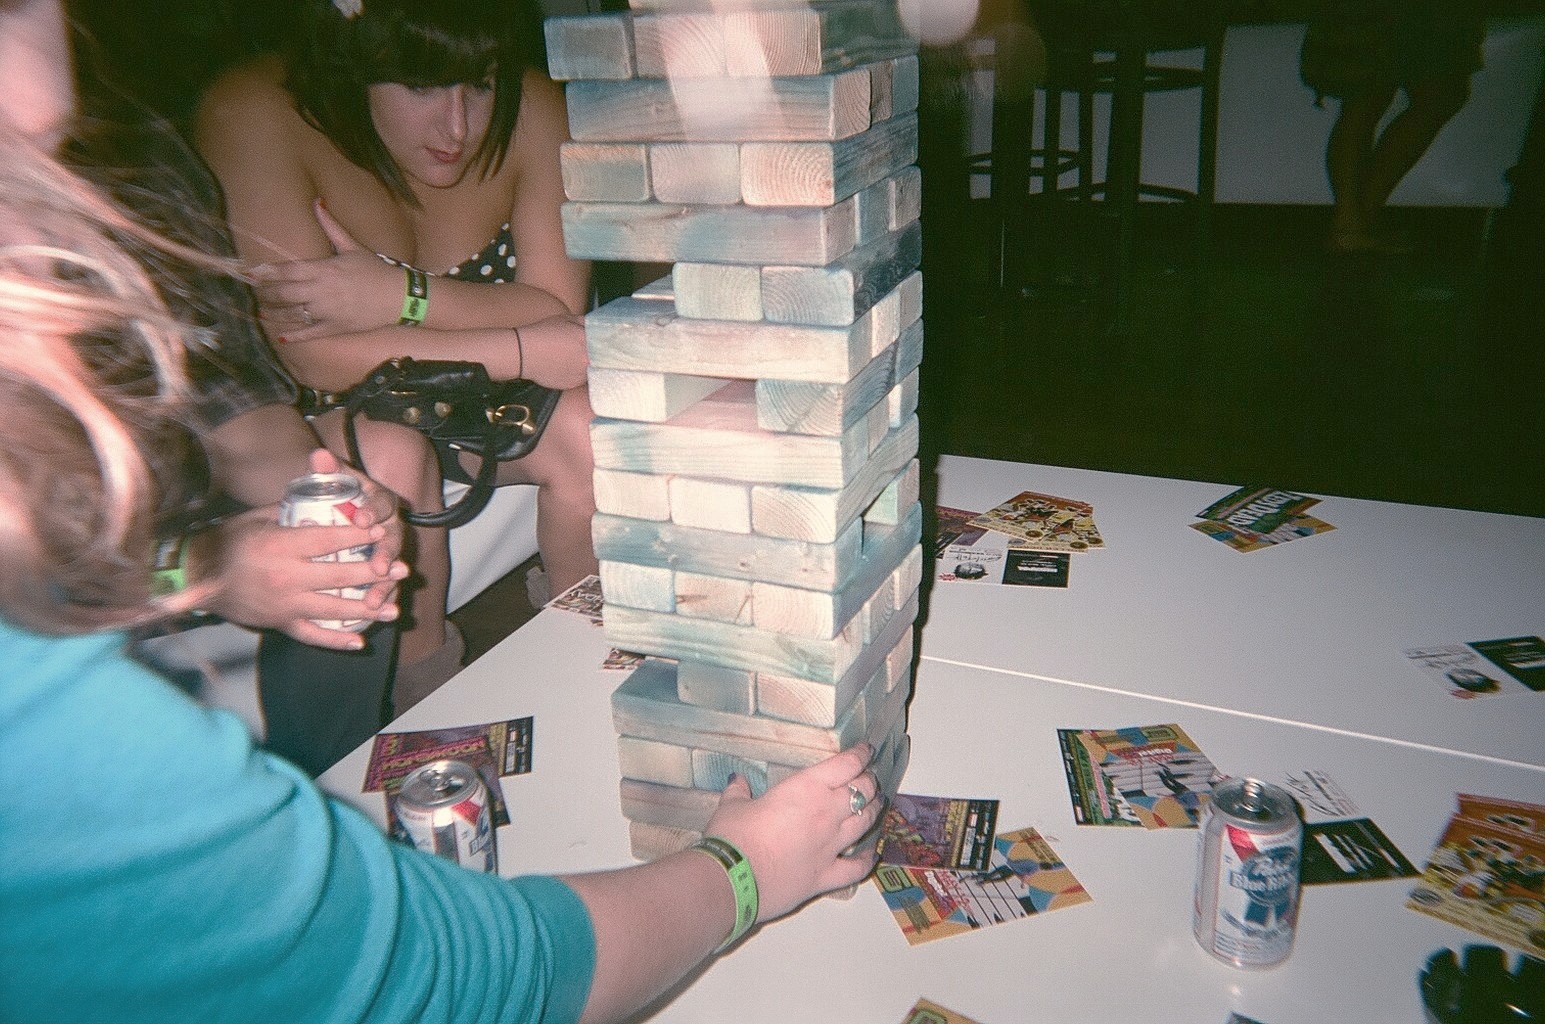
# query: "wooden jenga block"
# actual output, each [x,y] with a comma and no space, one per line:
[823,703]
[717,291]
[825,409]
[882,97]
[720,439]
[688,45]
[669,233]
[712,770]
[693,172]
[899,661]
[822,613]
[590,46]
[653,761]
[715,553]
[899,496]
[713,598]
[710,686]
[902,401]
[681,807]
[645,706]
[651,397]
[821,515]
[711,504]
[615,171]
[904,84]
[911,289]
[651,842]
[815,108]
[635,495]
[660,289]
[639,586]
[841,292]
[815,40]
[823,173]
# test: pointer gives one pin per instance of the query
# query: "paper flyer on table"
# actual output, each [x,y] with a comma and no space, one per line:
[1488,879]
[1153,776]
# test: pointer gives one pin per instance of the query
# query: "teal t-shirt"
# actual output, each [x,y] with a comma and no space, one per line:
[154,866]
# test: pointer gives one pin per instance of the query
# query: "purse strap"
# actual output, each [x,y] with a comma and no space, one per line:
[453,515]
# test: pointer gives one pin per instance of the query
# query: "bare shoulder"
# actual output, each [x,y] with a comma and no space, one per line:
[247,103]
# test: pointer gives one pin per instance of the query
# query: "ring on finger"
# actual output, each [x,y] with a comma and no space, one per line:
[305,314]
[857,801]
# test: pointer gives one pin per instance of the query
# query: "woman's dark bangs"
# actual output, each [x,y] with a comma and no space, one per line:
[427,56]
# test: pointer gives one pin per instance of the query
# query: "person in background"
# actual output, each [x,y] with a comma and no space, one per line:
[1364,52]
[161,868]
[421,132]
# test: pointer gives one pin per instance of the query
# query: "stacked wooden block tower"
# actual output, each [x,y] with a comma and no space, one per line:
[756,428]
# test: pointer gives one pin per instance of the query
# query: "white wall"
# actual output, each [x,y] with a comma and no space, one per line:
[1271,137]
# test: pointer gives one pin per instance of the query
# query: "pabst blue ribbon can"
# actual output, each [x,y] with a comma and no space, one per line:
[328,499]
[443,809]
[1246,904]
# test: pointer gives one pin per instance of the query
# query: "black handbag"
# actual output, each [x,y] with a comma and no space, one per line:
[456,405]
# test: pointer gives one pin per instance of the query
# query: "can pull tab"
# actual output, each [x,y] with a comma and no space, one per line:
[1252,801]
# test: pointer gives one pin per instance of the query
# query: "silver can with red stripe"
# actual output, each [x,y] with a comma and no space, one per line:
[442,808]
[1245,910]
[329,499]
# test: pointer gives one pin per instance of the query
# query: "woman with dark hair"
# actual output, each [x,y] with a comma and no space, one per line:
[413,134]
[157,867]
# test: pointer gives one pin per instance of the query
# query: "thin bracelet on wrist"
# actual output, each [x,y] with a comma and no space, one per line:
[742,882]
[520,350]
[170,573]
[415,300]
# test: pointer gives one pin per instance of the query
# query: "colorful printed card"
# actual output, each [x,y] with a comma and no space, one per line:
[1045,522]
[1522,657]
[1026,878]
[955,528]
[1154,776]
[398,753]
[938,832]
[583,598]
[925,1012]
[1513,815]
[1009,566]
[1488,879]
[1466,673]
[1241,539]
[1258,509]
[1350,851]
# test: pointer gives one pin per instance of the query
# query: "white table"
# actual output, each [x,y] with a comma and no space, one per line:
[1311,632]
[982,733]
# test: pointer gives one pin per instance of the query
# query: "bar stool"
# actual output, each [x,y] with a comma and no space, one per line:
[1108,46]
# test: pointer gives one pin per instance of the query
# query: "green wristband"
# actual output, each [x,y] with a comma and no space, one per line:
[170,575]
[742,881]
[415,301]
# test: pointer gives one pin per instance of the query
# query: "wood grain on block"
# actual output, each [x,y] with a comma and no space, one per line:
[911,289]
[753,557]
[650,397]
[717,291]
[879,423]
[821,613]
[710,686]
[589,46]
[711,504]
[882,98]
[904,198]
[745,647]
[721,440]
[653,761]
[899,496]
[639,586]
[694,172]
[670,233]
[646,706]
[648,336]
[819,515]
[713,598]
[825,409]
[616,171]
[688,45]
[816,108]
[823,173]
[844,290]
[816,702]
[901,403]
[899,661]
[635,495]
[904,84]
[651,842]
[667,806]
[712,769]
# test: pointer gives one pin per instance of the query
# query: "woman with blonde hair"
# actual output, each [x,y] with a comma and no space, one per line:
[412,133]
[159,868]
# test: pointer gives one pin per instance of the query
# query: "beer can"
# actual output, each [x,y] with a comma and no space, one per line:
[443,809]
[329,499]
[1245,908]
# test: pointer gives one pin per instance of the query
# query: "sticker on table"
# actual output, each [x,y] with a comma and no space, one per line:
[1259,510]
[1045,522]
[1026,877]
[1153,776]
[926,1012]
[1009,566]
[1513,815]
[1241,539]
[1350,851]
[938,832]
[1464,672]
[955,529]
[583,598]
[1522,657]
[1487,879]
[397,753]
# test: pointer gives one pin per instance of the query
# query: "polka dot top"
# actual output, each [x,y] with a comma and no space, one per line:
[495,264]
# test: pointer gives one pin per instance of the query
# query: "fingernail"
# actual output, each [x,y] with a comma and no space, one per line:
[283,340]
